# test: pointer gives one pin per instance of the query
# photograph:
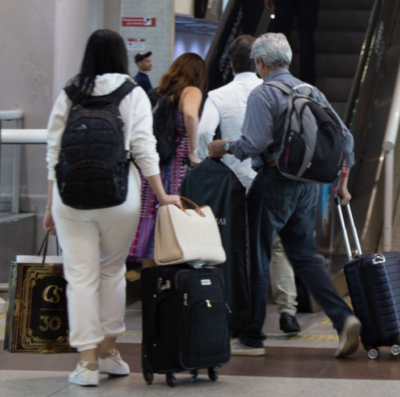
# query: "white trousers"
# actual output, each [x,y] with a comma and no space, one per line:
[283,283]
[95,245]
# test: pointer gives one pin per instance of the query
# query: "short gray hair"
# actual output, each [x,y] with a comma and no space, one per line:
[273,49]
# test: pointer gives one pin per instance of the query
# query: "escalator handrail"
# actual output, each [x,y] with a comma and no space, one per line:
[355,88]
[220,31]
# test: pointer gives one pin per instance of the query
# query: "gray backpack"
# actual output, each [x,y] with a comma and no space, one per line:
[312,148]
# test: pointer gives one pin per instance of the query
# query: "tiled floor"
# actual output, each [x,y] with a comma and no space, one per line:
[297,365]
[39,384]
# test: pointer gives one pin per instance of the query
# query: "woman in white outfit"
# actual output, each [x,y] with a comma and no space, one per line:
[96,242]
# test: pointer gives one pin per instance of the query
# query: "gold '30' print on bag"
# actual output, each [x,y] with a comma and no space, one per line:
[37,319]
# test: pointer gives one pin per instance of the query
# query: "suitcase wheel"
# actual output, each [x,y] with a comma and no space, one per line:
[374,354]
[395,350]
[171,379]
[212,373]
[148,376]
[194,373]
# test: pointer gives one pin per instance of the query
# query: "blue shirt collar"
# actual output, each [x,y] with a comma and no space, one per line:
[276,73]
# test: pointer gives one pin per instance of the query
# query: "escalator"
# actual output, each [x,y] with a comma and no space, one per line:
[360,87]
[240,17]
[368,121]
[358,54]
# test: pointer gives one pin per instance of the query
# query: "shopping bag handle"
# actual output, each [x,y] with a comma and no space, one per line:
[44,246]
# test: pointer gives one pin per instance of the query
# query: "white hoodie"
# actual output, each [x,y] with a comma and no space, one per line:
[136,113]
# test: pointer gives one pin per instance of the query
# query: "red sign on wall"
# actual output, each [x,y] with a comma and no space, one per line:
[139,22]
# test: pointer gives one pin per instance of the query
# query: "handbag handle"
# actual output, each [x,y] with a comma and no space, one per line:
[186,201]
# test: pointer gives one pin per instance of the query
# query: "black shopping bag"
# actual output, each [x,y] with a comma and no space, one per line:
[213,183]
[37,318]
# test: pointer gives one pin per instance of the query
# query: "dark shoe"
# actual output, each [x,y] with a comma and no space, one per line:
[289,324]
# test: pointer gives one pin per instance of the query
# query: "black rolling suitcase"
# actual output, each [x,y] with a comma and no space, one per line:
[185,321]
[374,286]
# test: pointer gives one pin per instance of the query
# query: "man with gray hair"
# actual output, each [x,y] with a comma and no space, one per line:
[278,205]
[225,108]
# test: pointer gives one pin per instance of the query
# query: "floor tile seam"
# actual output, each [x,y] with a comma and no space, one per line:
[57,391]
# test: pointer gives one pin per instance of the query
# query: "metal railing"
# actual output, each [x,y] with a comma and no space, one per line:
[18,117]
[22,136]
[389,144]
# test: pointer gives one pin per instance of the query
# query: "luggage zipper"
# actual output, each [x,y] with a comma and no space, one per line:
[216,275]
[368,289]
[208,302]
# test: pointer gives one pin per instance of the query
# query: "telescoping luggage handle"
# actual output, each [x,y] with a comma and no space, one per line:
[353,228]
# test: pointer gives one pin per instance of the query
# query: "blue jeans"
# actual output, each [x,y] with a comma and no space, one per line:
[277,205]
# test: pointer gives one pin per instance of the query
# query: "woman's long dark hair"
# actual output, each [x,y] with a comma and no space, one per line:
[105,53]
[187,70]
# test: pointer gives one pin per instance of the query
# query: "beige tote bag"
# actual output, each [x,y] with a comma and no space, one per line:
[187,235]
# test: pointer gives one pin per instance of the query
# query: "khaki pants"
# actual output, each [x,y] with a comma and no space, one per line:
[282,280]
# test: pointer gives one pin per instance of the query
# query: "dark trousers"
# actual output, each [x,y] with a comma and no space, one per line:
[277,205]
[306,12]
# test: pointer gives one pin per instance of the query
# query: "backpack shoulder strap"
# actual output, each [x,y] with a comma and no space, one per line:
[287,90]
[121,92]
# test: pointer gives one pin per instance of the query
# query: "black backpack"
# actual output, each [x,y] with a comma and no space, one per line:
[93,166]
[164,125]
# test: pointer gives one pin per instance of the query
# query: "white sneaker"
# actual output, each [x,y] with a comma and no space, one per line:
[85,374]
[240,349]
[349,337]
[111,363]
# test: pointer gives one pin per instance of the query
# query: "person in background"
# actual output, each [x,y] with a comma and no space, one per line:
[225,109]
[281,206]
[186,83]
[306,13]
[143,62]
[96,242]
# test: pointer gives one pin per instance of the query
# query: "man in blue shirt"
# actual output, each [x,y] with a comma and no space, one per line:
[277,205]
[143,61]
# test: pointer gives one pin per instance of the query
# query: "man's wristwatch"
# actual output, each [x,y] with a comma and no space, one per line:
[228,147]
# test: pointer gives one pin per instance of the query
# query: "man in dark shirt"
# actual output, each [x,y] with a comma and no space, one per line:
[278,205]
[143,61]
